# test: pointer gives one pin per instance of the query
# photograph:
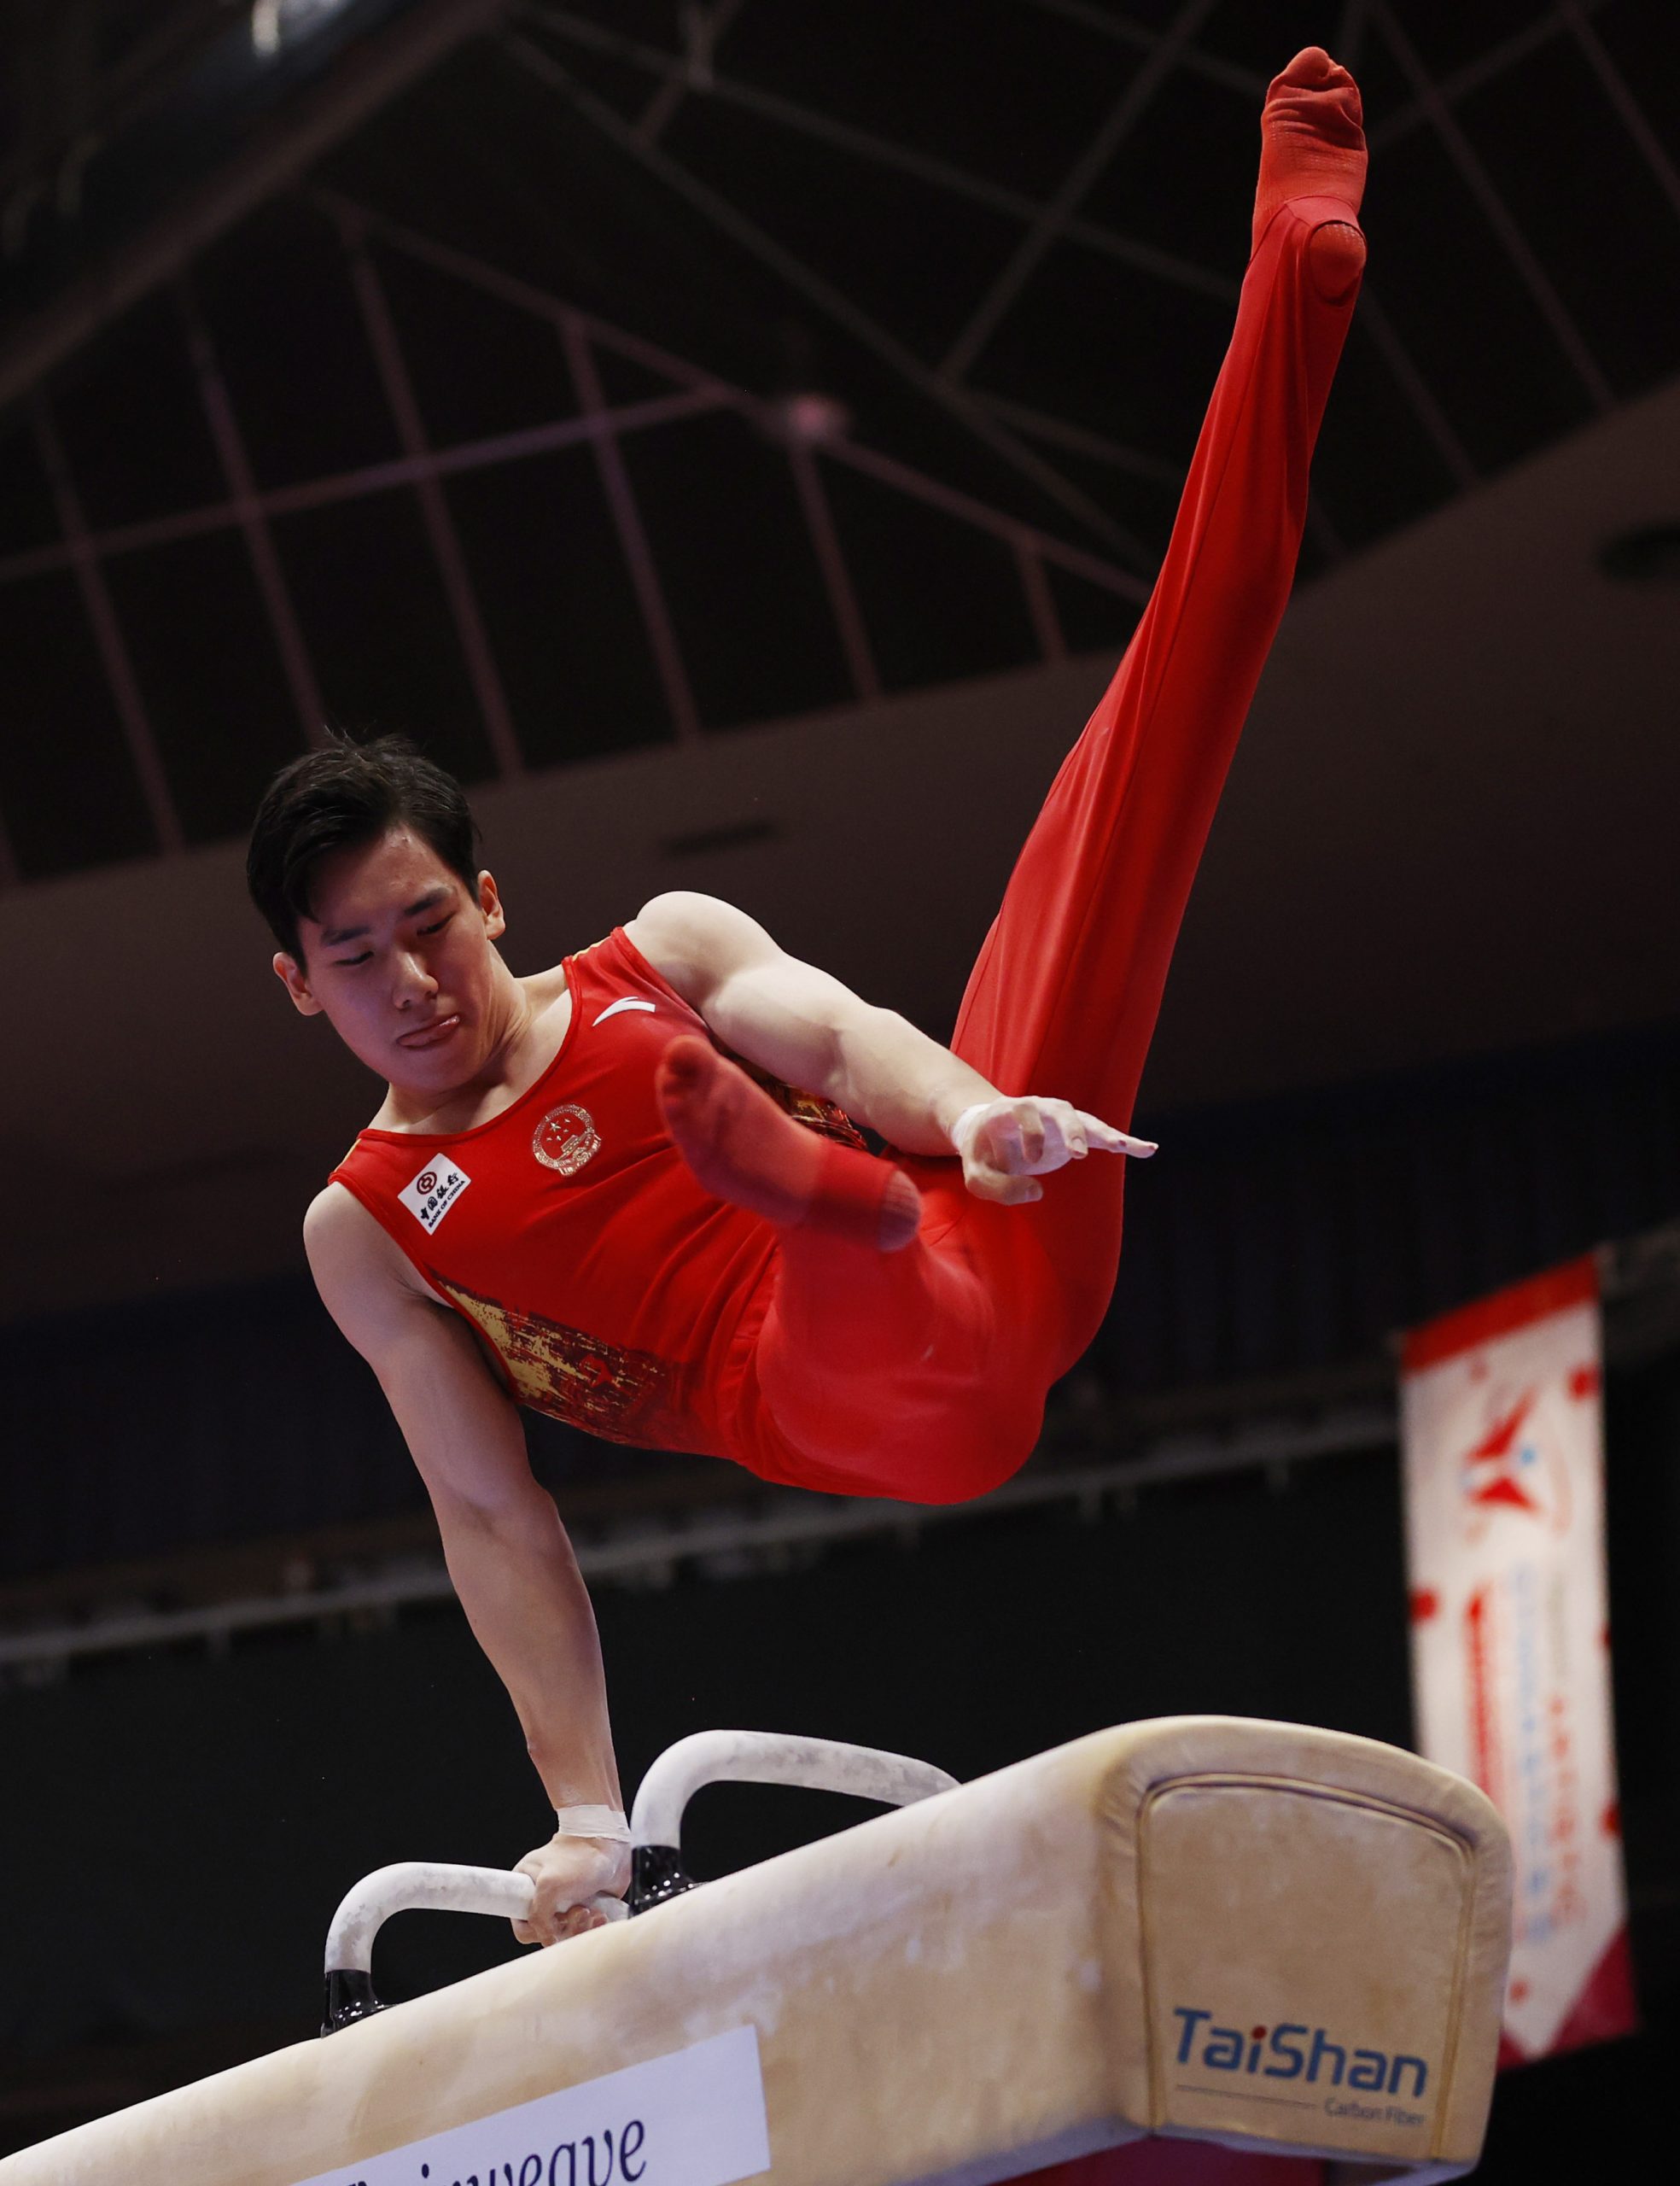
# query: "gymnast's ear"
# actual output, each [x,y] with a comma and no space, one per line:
[295,979]
[490,902]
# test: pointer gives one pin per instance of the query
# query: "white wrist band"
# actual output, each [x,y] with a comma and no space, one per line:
[592,1821]
[965,1124]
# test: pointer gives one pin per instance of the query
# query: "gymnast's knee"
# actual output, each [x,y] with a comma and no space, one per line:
[971,1456]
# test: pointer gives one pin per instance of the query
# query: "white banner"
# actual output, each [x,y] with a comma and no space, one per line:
[695,2118]
[1503,1423]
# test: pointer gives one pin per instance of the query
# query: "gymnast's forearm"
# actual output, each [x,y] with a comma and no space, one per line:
[889,1075]
[518,1582]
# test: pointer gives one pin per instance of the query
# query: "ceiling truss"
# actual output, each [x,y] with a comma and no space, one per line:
[251,509]
[1024,438]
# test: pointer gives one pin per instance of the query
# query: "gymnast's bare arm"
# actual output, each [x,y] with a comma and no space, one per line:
[507,1555]
[808,1029]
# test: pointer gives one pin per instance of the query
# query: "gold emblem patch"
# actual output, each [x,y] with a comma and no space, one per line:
[566,1139]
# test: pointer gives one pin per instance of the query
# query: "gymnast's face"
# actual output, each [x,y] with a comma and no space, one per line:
[399,956]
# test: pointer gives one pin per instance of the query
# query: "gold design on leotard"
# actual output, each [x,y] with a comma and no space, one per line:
[826,1117]
[623,1396]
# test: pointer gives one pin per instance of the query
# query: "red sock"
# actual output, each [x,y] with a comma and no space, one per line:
[1312,141]
[744,1149]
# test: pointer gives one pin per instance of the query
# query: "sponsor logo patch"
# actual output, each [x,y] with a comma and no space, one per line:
[1292,2050]
[566,1139]
[434,1191]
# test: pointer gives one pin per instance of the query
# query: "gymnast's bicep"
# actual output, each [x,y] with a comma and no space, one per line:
[785,1015]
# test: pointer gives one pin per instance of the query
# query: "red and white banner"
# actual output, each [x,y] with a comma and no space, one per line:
[1503,1432]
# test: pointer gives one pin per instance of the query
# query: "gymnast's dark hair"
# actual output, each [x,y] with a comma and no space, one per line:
[336,798]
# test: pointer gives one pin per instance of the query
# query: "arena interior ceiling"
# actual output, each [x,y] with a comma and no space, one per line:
[495,371]
[735,438]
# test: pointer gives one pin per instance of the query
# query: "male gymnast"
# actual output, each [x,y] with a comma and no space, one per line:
[572,1198]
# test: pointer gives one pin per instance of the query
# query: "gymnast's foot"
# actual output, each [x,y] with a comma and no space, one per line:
[744,1149]
[1312,144]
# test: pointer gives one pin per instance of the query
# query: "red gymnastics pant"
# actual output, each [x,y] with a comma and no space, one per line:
[922,1374]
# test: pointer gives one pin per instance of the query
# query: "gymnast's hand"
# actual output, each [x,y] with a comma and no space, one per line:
[1006,1143]
[568,1872]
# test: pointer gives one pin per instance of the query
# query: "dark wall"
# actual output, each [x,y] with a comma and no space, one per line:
[1287,1234]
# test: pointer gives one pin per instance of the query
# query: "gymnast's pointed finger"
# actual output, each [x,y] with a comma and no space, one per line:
[1105,1139]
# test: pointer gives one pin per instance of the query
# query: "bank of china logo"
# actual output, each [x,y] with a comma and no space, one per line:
[566,1139]
[433,1192]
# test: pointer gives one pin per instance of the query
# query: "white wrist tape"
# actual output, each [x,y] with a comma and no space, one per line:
[963,1130]
[592,1821]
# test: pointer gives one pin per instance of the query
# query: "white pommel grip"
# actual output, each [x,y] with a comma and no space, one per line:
[434,1885]
[653,1832]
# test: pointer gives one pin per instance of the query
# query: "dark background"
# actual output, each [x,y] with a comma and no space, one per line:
[737,441]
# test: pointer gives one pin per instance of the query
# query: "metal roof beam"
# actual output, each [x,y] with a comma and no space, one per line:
[252,516]
[1120,29]
[633,538]
[890,472]
[708,389]
[880,151]
[114,655]
[445,544]
[371,74]
[938,174]
[1474,73]
[702,29]
[117,94]
[1495,212]
[1350,37]
[480,274]
[1377,326]
[1629,111]
[373,478]
[1041,603]
[1082,440]
[1077,185]
[697,393]
[821,293]
[976,188]
[843,599]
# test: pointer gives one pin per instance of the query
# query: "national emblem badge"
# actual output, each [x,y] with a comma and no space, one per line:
[566,1139]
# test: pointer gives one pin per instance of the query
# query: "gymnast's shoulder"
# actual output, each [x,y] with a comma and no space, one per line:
[693,940]
[364,1279]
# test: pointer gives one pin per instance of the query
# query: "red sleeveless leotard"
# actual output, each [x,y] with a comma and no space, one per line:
[609,1288]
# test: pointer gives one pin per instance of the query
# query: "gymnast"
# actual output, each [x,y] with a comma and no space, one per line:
[592,1191]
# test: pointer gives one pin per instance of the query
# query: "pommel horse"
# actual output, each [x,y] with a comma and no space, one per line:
[1202,1944]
